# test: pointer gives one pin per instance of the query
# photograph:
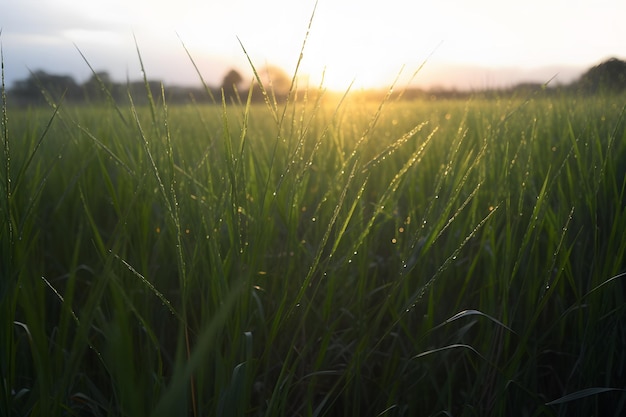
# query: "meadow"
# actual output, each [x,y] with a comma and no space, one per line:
[315,257]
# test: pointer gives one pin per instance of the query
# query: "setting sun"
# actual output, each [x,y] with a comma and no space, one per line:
[368,45]
[312,207]
[465,44]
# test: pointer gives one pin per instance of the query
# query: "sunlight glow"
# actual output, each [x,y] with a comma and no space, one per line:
[349,40]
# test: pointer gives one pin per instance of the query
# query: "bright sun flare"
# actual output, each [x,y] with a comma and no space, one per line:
[350,42]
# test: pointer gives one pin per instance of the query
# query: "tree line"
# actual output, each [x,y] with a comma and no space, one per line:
[608,77]
[41,87]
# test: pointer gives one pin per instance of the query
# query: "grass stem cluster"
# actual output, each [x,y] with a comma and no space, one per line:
[319,256]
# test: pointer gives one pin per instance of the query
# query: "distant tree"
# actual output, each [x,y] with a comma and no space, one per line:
[275,80]
[27,90]
[139,90]
[40,82]
[609,76]
[231,83]
[94,87]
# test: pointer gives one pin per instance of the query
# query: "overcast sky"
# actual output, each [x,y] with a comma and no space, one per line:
[467,43]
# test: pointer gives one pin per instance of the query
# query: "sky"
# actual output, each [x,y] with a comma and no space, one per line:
[471,44]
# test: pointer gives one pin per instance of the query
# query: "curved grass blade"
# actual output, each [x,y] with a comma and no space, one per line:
[175,397]
[587,392]
[622,275]
[449,347]
[466,313]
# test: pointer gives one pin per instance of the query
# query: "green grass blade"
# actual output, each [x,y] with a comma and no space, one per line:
[587,392]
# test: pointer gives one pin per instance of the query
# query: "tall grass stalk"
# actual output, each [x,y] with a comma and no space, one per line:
[323,255]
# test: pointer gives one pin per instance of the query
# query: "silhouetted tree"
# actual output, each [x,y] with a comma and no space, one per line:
[231,84]
[94,87]
[609,76]
[139,93]
[39,82]
[275,80]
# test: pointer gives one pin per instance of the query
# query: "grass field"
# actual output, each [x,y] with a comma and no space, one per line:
[459,258]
